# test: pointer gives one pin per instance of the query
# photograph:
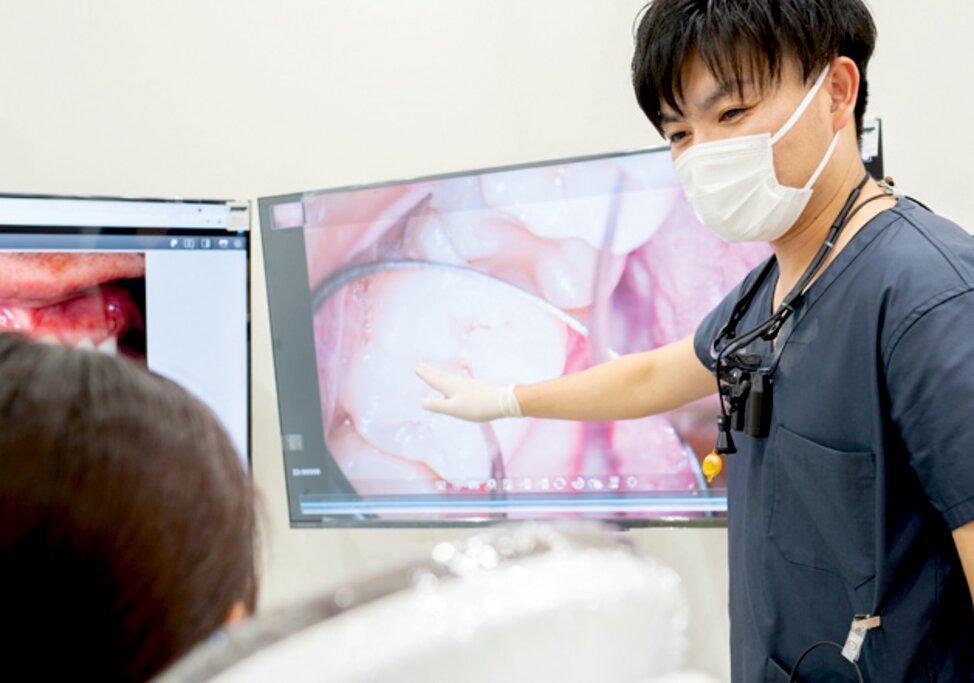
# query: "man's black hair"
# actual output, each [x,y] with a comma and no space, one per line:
[741,39]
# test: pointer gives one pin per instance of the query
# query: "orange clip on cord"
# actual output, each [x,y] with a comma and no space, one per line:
[713,464]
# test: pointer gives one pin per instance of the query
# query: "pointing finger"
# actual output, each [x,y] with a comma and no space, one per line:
[443,382]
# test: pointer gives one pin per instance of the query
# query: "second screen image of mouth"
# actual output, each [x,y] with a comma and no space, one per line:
[82,299]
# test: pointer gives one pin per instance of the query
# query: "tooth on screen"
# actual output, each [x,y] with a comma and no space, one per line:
[109,346]
[86,344]
[472,322]
[48,339]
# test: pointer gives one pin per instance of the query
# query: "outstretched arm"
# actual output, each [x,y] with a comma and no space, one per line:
[630,386]
[964,540]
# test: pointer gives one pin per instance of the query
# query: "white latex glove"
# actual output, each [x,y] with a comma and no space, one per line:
[468,399]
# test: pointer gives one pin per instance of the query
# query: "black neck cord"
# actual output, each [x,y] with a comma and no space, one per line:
[769,329]
[787,306]
[822,643]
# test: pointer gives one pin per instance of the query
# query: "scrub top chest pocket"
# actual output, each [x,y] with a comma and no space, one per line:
[824,507]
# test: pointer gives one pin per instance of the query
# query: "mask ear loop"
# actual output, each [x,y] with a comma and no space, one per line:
[824,162]
[797,114]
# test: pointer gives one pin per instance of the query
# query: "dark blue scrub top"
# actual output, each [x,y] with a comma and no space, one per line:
[847,507]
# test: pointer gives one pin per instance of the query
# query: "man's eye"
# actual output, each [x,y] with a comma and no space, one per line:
[732,114]
[676,137]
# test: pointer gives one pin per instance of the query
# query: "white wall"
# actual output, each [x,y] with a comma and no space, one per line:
[246,98]
[921,87]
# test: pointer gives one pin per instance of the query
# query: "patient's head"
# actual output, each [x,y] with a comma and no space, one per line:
[126,519]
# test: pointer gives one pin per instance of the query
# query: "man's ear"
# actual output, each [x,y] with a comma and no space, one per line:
[842,85]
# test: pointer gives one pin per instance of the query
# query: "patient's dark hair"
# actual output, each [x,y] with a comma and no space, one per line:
[746,39]
[127,528]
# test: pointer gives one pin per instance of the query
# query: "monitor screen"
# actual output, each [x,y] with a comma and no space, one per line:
[511,275]
[164,283]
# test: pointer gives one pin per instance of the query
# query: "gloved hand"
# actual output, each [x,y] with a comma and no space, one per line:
[468,399]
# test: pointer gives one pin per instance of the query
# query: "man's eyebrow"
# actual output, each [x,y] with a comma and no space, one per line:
[666,117]
[716,96]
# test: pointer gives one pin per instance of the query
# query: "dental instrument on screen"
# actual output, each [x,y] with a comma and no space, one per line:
[336,281]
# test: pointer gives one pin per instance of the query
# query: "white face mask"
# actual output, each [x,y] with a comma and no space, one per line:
[733,187]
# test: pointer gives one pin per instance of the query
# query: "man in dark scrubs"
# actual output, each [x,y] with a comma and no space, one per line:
[851,494]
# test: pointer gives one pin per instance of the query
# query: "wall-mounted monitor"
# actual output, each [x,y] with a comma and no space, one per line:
[511,275]
[165,283]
